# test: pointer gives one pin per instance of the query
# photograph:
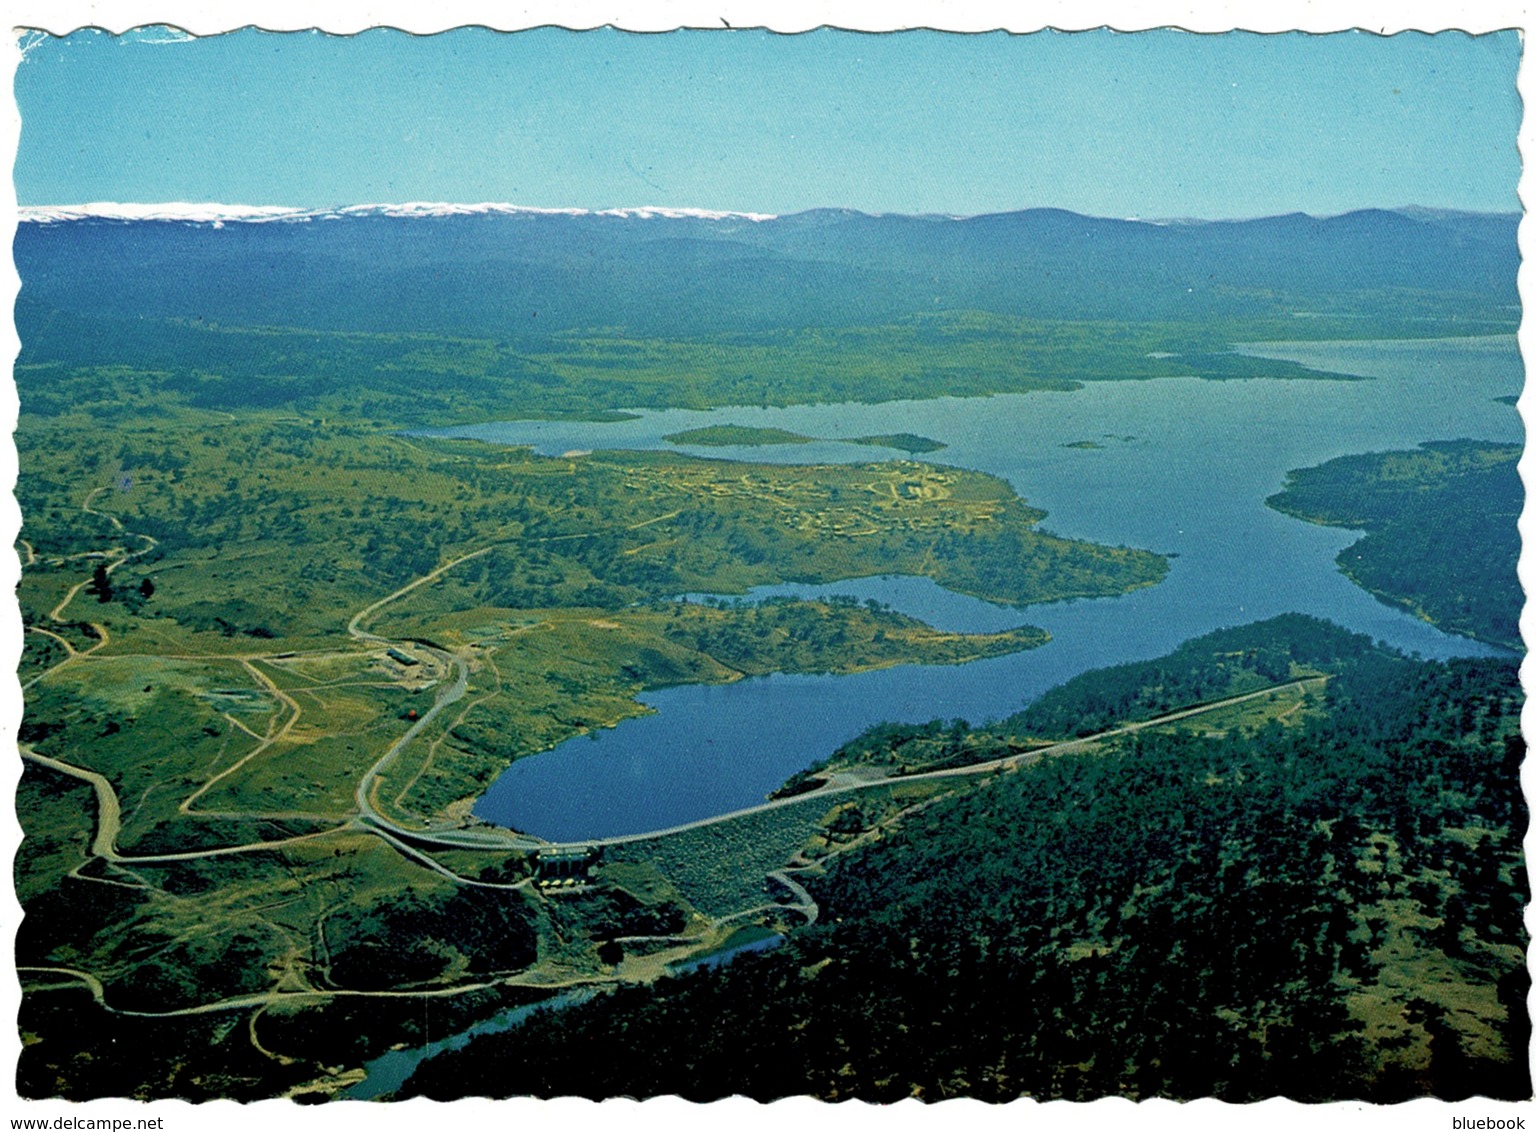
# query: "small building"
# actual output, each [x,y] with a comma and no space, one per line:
[566,864]
[401,657]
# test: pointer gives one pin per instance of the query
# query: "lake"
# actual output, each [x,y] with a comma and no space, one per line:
[1182,466]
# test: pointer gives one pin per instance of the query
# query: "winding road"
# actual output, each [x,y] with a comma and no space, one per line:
[109,822]
[109,807]
[412,843]
[447,695]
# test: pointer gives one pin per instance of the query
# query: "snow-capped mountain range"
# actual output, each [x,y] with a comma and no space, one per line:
[218,214]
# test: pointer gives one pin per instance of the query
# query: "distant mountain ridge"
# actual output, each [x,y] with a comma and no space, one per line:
[216,212]
[495,270]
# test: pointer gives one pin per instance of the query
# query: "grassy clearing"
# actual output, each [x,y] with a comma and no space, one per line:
[1288,707]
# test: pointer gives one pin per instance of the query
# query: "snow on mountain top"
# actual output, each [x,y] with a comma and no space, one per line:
[643,212]
[218,214]
[169,210]
[442,208]
[648,212]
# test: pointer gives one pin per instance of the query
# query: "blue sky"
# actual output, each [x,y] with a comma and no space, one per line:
[1143,124]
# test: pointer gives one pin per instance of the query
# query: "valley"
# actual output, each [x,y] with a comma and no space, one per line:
[384,682]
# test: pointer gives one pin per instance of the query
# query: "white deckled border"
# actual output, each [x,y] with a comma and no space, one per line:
[204,17]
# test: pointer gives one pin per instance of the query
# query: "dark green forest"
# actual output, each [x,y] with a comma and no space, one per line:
[1329,909]
[1224,663]
[1441,537]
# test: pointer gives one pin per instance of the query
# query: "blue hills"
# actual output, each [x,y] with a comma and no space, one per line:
[512,274]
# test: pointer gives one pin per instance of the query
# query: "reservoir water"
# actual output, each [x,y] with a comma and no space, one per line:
[1181,466]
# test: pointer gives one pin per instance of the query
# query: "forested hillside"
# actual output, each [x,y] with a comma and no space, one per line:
[1326,907]
[1442,536]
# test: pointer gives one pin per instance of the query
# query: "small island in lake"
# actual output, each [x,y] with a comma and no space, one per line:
[905,441]
[731,436]
[744,436]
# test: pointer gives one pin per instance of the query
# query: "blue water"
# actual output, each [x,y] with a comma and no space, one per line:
[387,1072]
[1183,468]
[721,958]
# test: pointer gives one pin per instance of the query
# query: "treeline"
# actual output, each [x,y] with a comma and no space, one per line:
[1227,662]
[1327,911]
[1442,537]
[901,748]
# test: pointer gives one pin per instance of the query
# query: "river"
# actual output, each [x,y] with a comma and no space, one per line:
[1180,466]
[387,1072]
